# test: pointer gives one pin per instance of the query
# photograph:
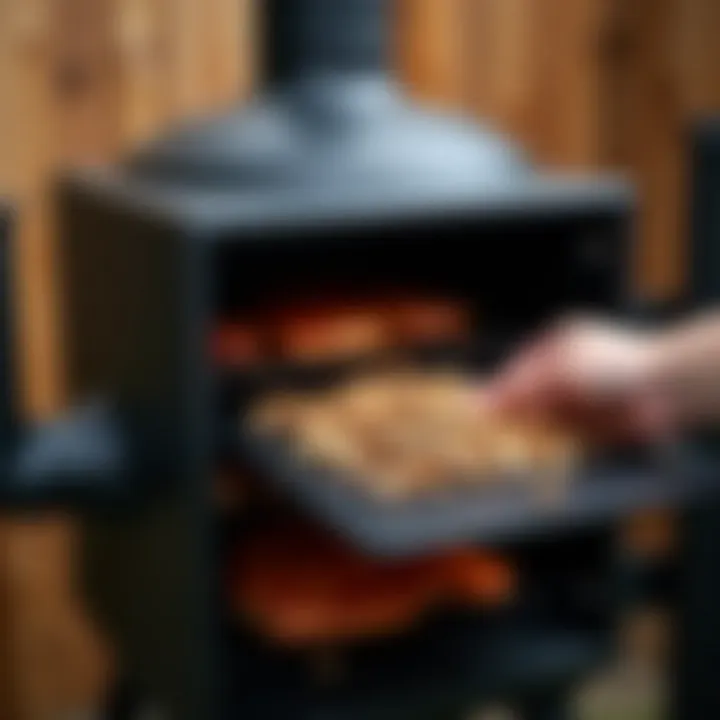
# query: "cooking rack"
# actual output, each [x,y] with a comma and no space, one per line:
[470,659]
[527,652]
[603,487]
[605,490]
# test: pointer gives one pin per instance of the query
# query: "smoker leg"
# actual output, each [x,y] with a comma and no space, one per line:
[697,649]
[546,706]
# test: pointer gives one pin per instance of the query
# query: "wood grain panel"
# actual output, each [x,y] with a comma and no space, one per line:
[59,662]
[538,71]
[30,152]
[6,82]
[567,50]
[431,51]
[653,128]
[84,82]
[230,33]
[142,103]
[698,54]
[500,38]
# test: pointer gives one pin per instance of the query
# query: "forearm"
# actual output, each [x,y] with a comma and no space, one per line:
[684,368]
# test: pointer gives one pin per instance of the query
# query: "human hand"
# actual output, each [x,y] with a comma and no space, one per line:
[591,376]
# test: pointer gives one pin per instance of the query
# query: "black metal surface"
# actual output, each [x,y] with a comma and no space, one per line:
[124,702]
[705,247]
[598,495]
[233,215]
[446,669]
[80,461]
[696,693]
[135,292]
[550,704]
[696,645]
[305,37]
[647,582]
[130,303]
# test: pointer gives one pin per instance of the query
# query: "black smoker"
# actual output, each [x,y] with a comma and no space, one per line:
[330,173]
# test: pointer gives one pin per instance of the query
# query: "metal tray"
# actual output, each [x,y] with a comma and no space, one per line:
[605,490]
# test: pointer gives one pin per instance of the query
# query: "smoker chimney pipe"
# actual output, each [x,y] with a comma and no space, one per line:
[307,37]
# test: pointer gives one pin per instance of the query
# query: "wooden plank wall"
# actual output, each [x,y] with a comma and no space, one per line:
[582,83]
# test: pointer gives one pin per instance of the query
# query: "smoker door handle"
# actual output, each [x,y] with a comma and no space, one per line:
[79,460]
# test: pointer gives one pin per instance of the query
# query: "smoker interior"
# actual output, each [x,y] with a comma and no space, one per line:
[143,303]
[514,278]
[514,273]
[558,629]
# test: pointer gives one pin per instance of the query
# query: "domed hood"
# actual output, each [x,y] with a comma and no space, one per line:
[330,115]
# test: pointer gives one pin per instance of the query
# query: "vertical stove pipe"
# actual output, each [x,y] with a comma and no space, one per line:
[309,37]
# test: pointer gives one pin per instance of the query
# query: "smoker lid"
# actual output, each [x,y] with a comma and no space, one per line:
[330,115]
[333,129]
